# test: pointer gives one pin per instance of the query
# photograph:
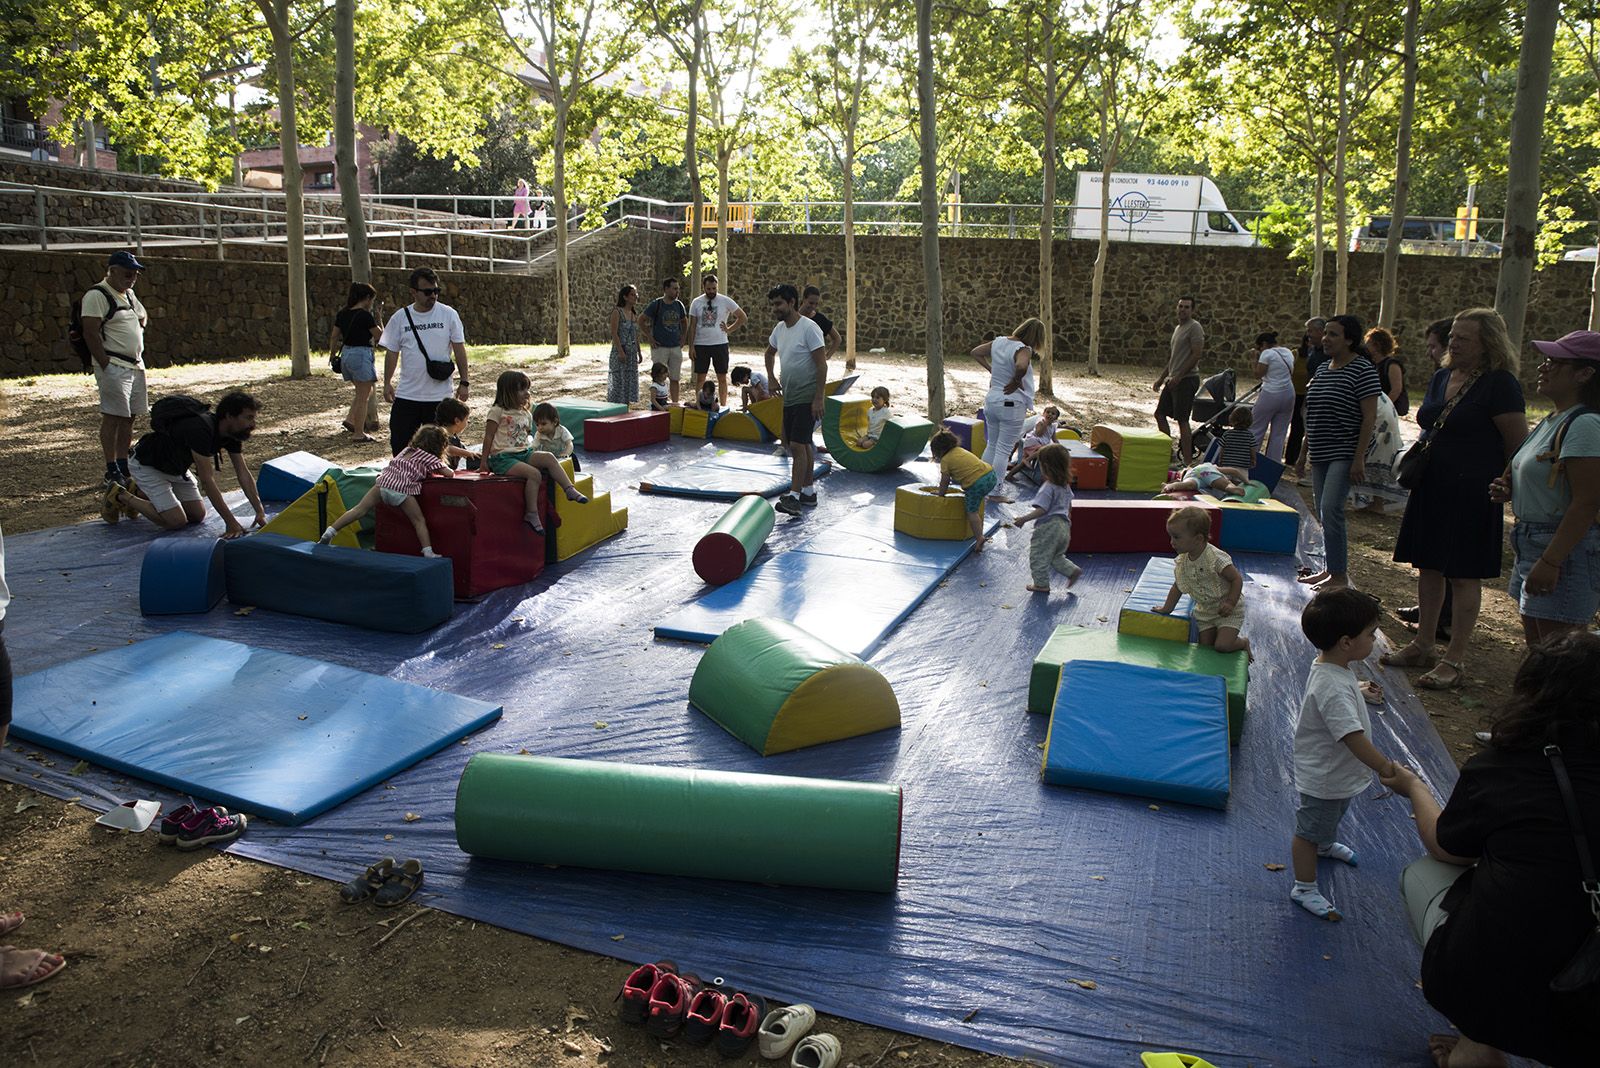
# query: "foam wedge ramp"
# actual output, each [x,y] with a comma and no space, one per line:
[1069,643]
[1138,614]
[288,477]
[776,688]
[335,493]
[902,440]
[1126,729]
[1140,456]
[583,525]
[779,829]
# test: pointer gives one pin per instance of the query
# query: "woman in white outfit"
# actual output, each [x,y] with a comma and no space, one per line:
[1274,405]
[1009,361]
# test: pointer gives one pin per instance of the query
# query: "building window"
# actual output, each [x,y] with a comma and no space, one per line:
[319,180]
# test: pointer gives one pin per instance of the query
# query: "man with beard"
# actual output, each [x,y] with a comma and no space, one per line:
[184,434]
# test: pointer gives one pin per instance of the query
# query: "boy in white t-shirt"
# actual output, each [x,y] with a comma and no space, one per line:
[1333,757]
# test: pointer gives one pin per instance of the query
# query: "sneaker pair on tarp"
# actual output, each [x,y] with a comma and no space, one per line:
[795,503]
[667,1003]
[189,827]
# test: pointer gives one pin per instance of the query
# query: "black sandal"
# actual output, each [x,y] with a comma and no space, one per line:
[401,883]
[368,883]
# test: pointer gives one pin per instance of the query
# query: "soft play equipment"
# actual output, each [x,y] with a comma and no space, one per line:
[1138,614]
[922,512]
[675,418]
[970,433]
[579,526]
[263,732]
[1130,526]
[729,474]
[181,575]
[335,493]
[287,477]
[1098,643]
[382,591]
[769,413]
[696,423]
[1264,526]
[679,821]
[476,521]
[1068,433]
[855,582]
[614,433]
[902,440]
[1090,470]
[726,551]
[1173,1060]
[1128,729]
[573,411]
[776,688]
[1266,471]
[733,425]
[1139,456]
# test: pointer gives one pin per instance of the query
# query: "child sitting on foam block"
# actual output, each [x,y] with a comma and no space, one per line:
[876,418]
[1206,574]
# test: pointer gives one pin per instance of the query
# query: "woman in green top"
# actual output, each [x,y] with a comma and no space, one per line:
[1553,484]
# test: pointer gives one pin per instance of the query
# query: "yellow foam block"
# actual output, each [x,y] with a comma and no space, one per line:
[980,441]
[696,424]
[769,413]
[1145,624]
[841,701]
[302,518]
[675,418]
[922,513]
[736,426]
[1067,433]
[583,525]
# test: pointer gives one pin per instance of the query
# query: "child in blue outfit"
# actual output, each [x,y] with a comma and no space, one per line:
[1052,516]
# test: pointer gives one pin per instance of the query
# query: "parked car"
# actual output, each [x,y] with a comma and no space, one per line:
[1580,254]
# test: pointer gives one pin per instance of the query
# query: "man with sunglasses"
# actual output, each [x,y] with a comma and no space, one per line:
[423,338]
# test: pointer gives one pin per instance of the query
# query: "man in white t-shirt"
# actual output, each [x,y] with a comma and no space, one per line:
[801,351]
[113,329]
[712,317]
[425,334]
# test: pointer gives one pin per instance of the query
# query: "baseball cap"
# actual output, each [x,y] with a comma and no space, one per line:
[124,259]
[1578,345]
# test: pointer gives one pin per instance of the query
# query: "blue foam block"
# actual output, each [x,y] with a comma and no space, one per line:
[1151,590]
[1269,526]
[382,591]
[730,475]
[1137,730]
[263,732]
[851,585]
[181,575]
[1267,471]
[290,477]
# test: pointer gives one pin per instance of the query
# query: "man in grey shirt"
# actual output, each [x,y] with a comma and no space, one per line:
[1180,381]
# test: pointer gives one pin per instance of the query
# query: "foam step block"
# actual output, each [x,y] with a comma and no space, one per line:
[776,688]
[574,411]
[476,521]
[695,424]
[1140,457]
[1127,729]
[675,418]
[1097,643]
[902,439]
[380,591]
[336,492]
[733,425]
[1267,526]
[579,526]
[1130,526]
[291,476]
[921,512]
[1090,470]
[1139,616]
[181,575]
[971,433]
[614,433]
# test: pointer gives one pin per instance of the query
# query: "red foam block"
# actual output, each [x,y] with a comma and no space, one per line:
[1102,526]
[476,520]
[1090,470]
[613,433]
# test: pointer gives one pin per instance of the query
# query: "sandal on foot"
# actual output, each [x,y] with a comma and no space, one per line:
[1432,681]
[9,922]
[1407,657]
[401,883]
[368,883]
[25,967]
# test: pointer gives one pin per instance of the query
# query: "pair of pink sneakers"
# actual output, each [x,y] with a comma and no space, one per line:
[188,827]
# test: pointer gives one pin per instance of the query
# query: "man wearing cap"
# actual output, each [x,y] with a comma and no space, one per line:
[113,328]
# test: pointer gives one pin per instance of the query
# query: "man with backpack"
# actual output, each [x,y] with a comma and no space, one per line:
[185,433]
[109,336]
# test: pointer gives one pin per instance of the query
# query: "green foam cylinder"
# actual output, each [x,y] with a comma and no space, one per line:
[680,821]
[725,551]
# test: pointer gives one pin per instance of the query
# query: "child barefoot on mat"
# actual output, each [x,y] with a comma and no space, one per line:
[706,399]
[976,479]
[1207,574]
[1208,478]
[1052,511]
[400,483]
[508,451]
[878,416]
[1333,757]
[1042,434]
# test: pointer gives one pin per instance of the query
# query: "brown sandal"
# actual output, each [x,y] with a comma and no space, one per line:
[1432,681]
[1403,658]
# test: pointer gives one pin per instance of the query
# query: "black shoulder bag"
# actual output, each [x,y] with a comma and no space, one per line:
[1583,970]
[1414,464]
[439,370]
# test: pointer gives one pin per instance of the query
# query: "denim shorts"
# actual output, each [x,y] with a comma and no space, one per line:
[356,364]
[1317,818]
[1576,597]
[979,490]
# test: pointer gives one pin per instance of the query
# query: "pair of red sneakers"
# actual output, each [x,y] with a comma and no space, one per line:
[667,1003]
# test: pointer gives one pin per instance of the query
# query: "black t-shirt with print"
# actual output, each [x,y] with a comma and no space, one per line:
[173,452]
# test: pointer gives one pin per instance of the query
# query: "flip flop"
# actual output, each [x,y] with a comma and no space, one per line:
[401,883]
[25,967]
[368,882]
[10,921]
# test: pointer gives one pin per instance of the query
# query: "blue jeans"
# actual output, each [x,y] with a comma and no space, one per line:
[1330,485]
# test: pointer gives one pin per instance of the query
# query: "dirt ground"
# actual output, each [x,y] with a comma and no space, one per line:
[202,958]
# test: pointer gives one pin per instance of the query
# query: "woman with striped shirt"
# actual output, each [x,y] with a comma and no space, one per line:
[1341,411]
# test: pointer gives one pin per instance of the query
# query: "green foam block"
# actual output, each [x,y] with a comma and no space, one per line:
[680,821]
[1098,643]
[902,440]
[574,410]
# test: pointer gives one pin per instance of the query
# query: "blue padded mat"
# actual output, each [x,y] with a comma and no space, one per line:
[1137,730]
[1152,587]
[266,733]
[1007,888]
[727,474]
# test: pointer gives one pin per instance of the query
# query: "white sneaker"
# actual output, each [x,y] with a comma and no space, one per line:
[427,550]
[817,1051]
[783,1028]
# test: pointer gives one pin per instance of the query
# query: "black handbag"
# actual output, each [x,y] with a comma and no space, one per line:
[438,370]
[1414,464]
[1583,970]
[336,361]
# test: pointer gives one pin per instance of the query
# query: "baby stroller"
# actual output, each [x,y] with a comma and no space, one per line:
[1214,406]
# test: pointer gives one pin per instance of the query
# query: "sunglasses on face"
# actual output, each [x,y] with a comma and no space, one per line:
[429,292]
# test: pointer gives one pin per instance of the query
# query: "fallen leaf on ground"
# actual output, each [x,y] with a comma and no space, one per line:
[1155,808]
[600,724]
[1086,984]
[244,611]
[79,768]
[388,838]
[1098,878]
[412,817]
[498,645]
[302,717]
[618,938]
[1273,867]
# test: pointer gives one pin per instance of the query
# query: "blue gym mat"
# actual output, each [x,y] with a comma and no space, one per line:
[263,732]
[728,474]
[1008,888]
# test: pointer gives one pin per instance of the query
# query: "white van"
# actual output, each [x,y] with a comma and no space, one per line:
[1167,209]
